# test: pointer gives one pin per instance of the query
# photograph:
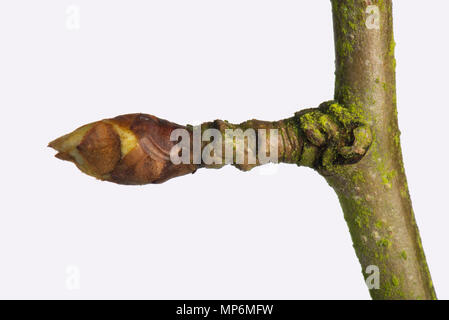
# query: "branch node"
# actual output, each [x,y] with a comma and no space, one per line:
[340,135]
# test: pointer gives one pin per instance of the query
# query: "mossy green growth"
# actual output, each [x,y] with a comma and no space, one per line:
[346,48]
[404,255]
[392,287]
[338,132]
[381,4]
[404,190]
[310,124]
[347,24]
[357,177]
[392,47]
[387,177]
[384,243]
[293,125]
[344,115]
[328,158]
[397,140]
[395,281]
[349,108]
[360,213]
[391,53]
[308,156]
[324,121]
[352,25]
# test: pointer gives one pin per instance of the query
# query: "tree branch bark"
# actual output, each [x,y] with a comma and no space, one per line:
[140,148]
[352,141]
[374,193]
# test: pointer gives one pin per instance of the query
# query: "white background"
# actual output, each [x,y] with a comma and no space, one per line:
[275,232]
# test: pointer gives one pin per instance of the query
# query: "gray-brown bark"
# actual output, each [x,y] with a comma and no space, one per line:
[374,193]
[352,141]
[140,148]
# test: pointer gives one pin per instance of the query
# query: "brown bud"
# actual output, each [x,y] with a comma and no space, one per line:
[129,149]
